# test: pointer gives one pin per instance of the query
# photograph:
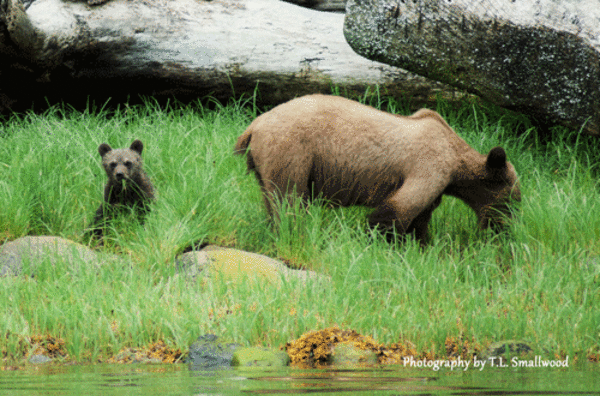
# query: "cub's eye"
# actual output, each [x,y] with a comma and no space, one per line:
[112,165]
[128,164]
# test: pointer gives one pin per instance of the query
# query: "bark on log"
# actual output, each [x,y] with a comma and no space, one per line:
[322,5]
[67,51]
[540,57]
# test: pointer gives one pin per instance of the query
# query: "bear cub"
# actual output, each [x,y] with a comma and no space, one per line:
[127,186]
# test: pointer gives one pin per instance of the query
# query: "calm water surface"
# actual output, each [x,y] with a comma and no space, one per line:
[179,380]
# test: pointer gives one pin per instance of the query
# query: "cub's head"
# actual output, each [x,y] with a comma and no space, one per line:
[498,192]
[122,164]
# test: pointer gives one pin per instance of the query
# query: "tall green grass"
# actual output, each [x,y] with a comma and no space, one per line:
[539,282]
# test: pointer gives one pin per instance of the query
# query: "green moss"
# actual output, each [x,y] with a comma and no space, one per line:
[259,357]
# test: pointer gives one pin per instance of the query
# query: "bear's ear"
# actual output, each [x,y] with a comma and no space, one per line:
[137,146]
[496,158]
[103,149]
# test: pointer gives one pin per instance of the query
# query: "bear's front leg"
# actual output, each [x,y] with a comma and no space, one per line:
[410,208]
[98,224]
[420,225]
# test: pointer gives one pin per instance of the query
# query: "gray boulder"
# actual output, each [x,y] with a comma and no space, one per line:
[39,359]
[208,353]
[537,57]
[33,251]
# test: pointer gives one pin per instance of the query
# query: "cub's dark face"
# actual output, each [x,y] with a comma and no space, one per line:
[121,164]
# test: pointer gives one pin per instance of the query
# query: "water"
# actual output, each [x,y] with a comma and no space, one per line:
[179,380]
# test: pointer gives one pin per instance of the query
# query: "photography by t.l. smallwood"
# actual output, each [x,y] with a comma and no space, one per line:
[480,364]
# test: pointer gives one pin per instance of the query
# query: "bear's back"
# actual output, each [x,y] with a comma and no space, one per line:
[334,117]
[338,131]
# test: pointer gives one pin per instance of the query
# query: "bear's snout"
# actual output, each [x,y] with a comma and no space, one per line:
[121,172]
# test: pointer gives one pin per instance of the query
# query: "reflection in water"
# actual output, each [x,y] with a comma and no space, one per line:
[402,381]
[178,380]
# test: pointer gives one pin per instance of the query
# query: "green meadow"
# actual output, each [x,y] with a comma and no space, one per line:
[538,282]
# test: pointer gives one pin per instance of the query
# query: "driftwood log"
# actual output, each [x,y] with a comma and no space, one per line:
[537,57]
[322,5]
[58,50]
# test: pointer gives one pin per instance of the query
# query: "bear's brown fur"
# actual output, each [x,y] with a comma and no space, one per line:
[353,154]
[127,186]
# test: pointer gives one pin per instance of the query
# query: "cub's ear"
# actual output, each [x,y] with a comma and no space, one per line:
[103,149]
[496,159]
[137,146]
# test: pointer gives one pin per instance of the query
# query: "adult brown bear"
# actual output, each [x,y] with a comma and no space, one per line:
[353,154]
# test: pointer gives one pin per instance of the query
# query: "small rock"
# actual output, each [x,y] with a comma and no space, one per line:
[208,353]
[259,357]
[39,359]
[511,347]
[129,357]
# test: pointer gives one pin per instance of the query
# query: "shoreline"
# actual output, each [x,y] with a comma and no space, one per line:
[460,293]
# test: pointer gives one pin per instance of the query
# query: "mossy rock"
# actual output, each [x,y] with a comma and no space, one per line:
[237,266]
[348,354]
[259,357]
[317,348]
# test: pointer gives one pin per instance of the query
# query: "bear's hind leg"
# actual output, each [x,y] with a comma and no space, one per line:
[285,185]
[272,199]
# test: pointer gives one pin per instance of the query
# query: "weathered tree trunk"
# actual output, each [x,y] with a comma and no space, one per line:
[538,57]
[69,50]
[322,5]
